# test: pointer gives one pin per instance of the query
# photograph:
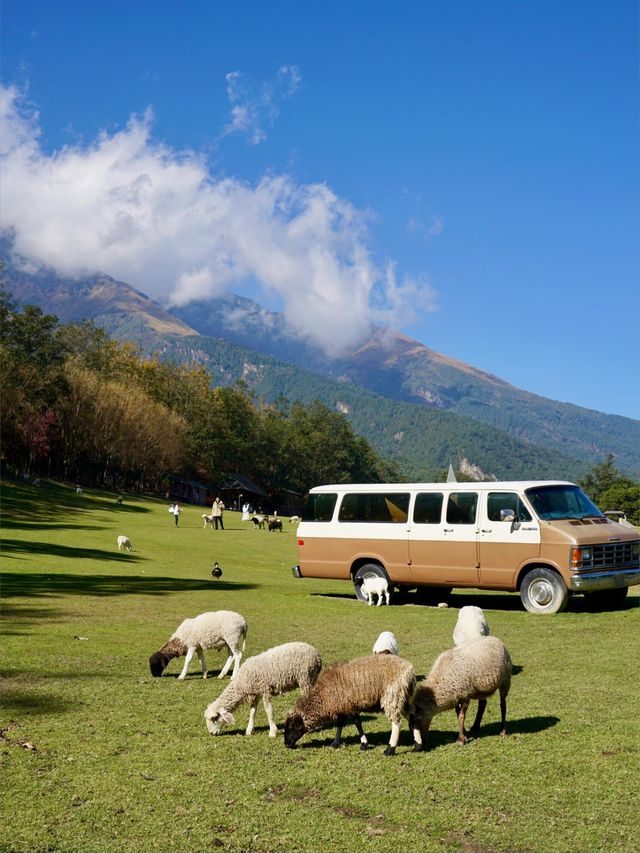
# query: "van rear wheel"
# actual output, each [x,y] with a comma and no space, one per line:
[543,591]
[369,570]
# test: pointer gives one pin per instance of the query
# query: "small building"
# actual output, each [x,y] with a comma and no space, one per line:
[236,490]
[190,491]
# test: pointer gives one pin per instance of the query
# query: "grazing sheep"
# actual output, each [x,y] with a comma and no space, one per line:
[294,519]
[213,630]
[119,500]
[206,519]
[258,521]
[275,524]
[373,586]
[345,690]
[124,543]
[78,489]
[471,625]
[216,571]
[474,670]
[278,670]
[386,644]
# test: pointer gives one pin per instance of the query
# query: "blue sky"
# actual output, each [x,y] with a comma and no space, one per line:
[466,172]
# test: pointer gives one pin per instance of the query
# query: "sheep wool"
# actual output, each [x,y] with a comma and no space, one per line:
[345,690]
[278,670]
[124,543]
[386,644]
[475,670]
[471,625]
[215,629]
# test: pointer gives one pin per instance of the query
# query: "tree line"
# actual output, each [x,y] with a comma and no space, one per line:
[79,406]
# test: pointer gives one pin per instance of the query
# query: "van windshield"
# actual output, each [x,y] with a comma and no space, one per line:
[553,503]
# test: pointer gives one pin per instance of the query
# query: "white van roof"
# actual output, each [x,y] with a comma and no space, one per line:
[510,485]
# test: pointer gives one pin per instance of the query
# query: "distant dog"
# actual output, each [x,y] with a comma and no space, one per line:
[206,519]
[275,524]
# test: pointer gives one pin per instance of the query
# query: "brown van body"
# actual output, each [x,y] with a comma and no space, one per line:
[482,535]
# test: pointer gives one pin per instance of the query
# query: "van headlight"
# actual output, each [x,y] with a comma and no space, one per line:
[581,558]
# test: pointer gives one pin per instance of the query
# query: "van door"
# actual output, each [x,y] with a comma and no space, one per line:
[505,545]
[443,538]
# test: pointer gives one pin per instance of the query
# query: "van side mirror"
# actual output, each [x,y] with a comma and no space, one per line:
[507,515]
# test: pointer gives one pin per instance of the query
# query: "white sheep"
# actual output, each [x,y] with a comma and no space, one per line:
[124,543]
[212,630]
[345,690]
[474,670]
[374,586]
[278,670]
[386,644]
[294,519]
[471,625]
[207,519]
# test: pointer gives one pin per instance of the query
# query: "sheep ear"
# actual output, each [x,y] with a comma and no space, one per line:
[227,716]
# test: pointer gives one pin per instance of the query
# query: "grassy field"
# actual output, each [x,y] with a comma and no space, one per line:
[99,756]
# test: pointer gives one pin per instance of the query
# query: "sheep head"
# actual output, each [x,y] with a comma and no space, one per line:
[216,718]
[294,728]
[158,663]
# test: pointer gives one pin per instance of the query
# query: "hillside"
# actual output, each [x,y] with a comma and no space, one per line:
[413,404]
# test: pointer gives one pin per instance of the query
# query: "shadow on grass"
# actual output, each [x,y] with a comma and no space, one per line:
[42,585]
[30,703]
[15,547]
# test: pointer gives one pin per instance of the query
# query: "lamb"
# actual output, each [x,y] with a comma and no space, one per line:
[124,543]
[278,670]
[294,519]
[212,630]
[471,625]
[258,521]
[474,670]
[372,586]
[275,524]
[386,644]
[345,690]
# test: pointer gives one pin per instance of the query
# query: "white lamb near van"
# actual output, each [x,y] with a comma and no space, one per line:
[374,586]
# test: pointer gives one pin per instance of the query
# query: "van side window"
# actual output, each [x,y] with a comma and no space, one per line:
[319,507]
[428,508]
[506,500]
[381,508]
[461,508]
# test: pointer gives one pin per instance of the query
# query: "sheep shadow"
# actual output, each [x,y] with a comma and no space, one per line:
[16,548]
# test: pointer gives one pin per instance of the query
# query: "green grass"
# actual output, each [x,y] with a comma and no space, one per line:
[123,762]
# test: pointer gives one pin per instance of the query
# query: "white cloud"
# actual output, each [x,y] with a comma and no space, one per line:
[158,219]
[254,106]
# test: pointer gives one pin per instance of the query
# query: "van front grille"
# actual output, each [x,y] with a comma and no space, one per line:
[613,555]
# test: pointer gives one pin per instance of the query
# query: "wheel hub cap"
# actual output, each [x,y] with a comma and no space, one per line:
[541,593]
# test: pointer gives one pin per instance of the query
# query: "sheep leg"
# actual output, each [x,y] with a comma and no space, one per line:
[236,663]
[393,740]
[227,666]
[475,728]
[335,743]
[462,738]
[420,730]
[252,716]
[202,662]
[190,653]
[364,743]
[266,701]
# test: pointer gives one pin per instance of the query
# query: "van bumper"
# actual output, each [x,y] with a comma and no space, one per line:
[296,571]
[594,582]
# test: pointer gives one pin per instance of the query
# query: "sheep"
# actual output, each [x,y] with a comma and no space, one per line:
[386,644]
[119,500]
[275,524]
[124,543]
[206,519]
[258,521]
[212,630]
[294,519]
[471,625]
[474,670]
[278,670]
[345,690]
[372,586]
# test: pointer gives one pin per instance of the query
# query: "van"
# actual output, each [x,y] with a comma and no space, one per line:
[544,539]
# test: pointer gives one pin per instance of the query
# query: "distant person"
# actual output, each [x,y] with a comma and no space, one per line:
[177,509]
[216,511]
[245,512]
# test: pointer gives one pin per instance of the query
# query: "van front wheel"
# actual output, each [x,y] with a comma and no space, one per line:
[369,570]
[543,591]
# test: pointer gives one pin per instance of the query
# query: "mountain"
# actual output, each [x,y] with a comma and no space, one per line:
[411,403]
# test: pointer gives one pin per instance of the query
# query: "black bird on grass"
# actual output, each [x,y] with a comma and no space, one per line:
[216,571]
